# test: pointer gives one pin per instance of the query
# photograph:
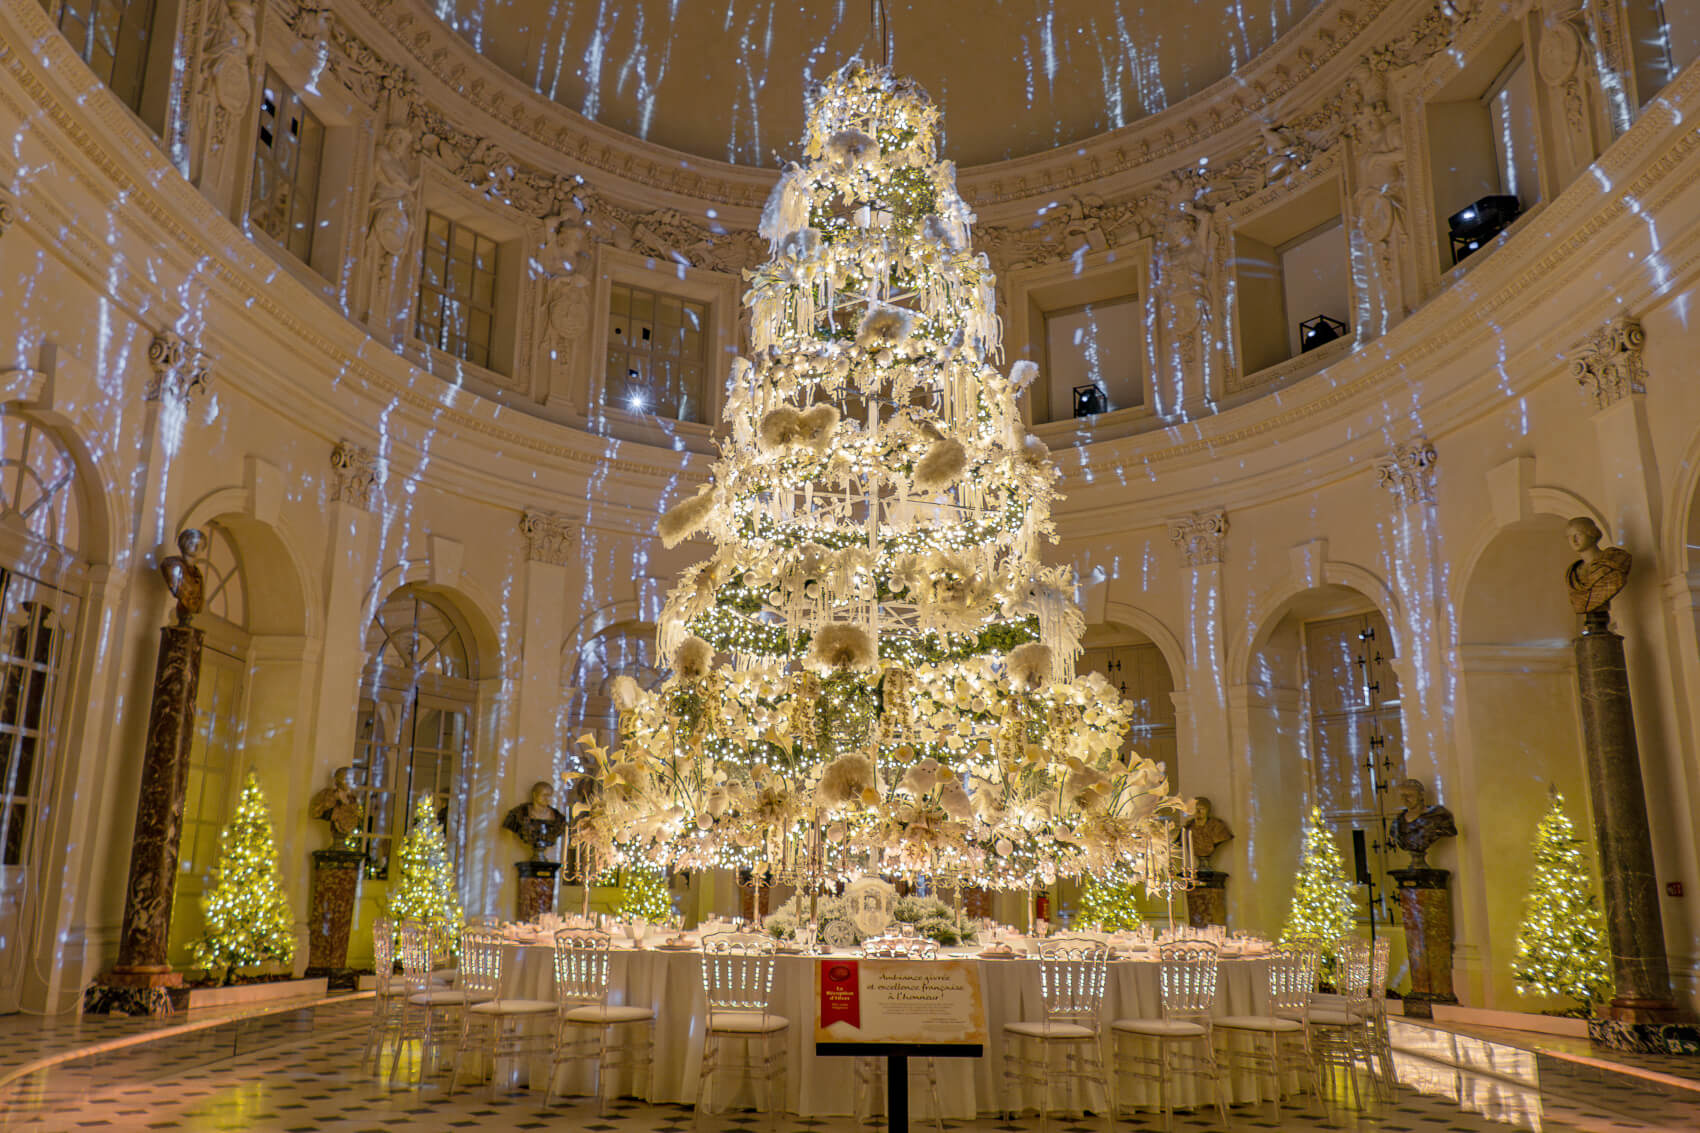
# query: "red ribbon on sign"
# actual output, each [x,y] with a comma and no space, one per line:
[840,993]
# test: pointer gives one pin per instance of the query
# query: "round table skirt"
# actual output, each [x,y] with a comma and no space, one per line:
[670,983]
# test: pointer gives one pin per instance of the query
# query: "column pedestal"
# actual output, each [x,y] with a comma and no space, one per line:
[336,875]
[1628,881]
[137,982]
[536,894]
[1425,905]
[1207,900]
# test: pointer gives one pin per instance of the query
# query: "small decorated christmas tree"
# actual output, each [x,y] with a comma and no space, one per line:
[644,893]
[248,917]
[1112,906]
[427,892]
[1561,946]
[1322,909]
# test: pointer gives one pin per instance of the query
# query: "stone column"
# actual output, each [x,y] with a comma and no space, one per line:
[1207,900]
[159,814]
[336,875]
[1425,905]
[1630,886]
[536,888]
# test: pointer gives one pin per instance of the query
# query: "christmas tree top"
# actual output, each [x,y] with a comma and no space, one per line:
[874,671]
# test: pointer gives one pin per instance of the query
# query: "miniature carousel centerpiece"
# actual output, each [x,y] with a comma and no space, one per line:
[873,672]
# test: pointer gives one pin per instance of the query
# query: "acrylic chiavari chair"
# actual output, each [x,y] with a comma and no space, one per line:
[737,984]
[1276,1046]
[491,1026]
[1179,1044]
[1073,972]
[586,1024]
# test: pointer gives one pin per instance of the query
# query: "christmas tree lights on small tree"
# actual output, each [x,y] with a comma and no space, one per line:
[1322,909]
[1111,905]
[248,918]
[644,893]
[1561,946]
[427,892]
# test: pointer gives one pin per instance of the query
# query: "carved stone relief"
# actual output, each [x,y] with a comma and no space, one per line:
[1408,472]
[357,476]
[1201,537]
[548,537]
[1607,364]
[181,371]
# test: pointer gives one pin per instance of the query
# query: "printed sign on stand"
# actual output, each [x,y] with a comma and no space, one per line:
[903,1002]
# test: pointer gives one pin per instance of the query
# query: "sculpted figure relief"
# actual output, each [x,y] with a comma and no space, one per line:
[339,806]
[1207,831]
[536,822]
[187,583]
[1378,203]
[1596,577]
[1419,825]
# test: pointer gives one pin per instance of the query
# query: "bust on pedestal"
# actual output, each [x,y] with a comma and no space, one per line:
[1207,901]
[336,876]
[539,825]
[1425,902]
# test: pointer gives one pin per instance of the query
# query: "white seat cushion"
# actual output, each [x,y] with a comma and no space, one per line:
[446,997]
[1331,1018]
[443,976]
[597,1013]
[1049,1030]
[514,1007]
[746,1022]
[1257,1023]
[1174,1028]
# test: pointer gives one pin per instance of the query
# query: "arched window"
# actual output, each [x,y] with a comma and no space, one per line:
[40,580]
[414,731]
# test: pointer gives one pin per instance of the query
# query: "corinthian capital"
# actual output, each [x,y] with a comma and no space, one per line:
[180,369]
[1607,364]
[548,537]
[1408,472]
[356,475]
[1201,536]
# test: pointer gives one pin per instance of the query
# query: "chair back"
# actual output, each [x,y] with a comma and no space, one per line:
[481,957]
[1188,978]
[416,942]
[383,952]
[1352,974]
[582,966]
[1072,973]
[901,947]
[1378,965]
[737,971]
[1292,978]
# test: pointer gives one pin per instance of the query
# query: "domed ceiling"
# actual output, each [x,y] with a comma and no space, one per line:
[724,79]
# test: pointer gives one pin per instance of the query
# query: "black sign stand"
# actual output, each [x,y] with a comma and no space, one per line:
[897,1056]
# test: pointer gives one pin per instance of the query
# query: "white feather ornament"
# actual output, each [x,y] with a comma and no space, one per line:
[840,647]
[1022,374]
[787,207]
[816,424]
[850,149]
[1033,450]
[884,326]
[1029,665]
[778,428]
[693,657]
[936,229]
[844,780]
[686,518]
[625,692]
[938,469]
[954,798]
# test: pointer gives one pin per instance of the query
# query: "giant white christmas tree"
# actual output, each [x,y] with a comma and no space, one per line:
[872,671]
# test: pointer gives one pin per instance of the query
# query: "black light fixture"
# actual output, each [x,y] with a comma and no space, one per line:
[1316,331]
[1089,400]
[1474,225]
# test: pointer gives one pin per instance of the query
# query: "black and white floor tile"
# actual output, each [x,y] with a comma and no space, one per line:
[293,1073]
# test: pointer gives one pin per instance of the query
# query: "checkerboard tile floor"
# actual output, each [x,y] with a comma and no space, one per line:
[292,1073]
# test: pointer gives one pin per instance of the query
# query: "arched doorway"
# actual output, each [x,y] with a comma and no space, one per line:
[42,575]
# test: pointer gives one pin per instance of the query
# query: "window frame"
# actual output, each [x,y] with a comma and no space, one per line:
[290,97]
[449,295]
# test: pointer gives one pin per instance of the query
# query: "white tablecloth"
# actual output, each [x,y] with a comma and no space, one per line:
[671,984]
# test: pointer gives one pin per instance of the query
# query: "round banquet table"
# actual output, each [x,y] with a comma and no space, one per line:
[670,983]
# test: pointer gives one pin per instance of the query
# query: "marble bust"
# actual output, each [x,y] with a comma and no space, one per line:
[1596,577]
[1419,825]
[536,821]
[184,578]
[339,806]
[1207,831]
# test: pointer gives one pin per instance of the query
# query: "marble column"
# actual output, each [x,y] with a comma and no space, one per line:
[1207,900]
[536,889]
[1639,966]
[1425,906]
[159,814]
[336,876]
